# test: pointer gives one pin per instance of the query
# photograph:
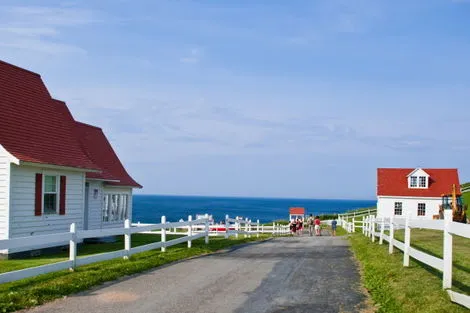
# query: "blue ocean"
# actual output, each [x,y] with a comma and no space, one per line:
[150,208]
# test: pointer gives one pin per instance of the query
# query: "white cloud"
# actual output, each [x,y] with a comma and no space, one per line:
[41,29]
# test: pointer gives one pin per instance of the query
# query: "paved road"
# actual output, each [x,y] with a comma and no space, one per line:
[289,274]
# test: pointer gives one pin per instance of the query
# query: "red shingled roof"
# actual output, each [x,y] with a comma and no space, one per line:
[99,150]
[36,128]
[31,128]
[394,182]
[296,211]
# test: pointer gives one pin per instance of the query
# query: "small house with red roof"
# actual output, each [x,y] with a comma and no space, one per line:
[54,171]
[296,212]
[403,191]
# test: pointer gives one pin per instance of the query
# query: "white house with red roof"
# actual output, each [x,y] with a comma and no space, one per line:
[402,191]
[54,171]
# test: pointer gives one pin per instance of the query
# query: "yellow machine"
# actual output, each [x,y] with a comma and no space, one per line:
[453,201]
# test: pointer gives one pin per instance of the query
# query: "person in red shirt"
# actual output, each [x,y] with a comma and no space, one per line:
[317,226]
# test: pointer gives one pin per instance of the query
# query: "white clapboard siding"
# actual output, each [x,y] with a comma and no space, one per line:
[4,193]
[23,222]
[95,205]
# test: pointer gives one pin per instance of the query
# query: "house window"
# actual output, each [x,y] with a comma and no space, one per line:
[413,181]
[115,207]
[422,181]
[398,208]
[421,209]
[50,195]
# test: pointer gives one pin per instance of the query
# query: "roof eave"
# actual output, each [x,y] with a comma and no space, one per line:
[59,167]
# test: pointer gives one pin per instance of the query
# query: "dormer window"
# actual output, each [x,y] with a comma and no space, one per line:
[418,179]
[422,181]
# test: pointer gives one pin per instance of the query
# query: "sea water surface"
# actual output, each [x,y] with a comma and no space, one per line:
[150,208]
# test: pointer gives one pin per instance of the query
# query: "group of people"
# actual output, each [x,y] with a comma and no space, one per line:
[314,226]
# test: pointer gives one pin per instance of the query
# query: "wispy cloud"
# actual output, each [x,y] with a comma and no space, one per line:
[41,28]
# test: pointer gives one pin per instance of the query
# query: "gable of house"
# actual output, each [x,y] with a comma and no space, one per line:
[41,147]
[31,127]
[395,182]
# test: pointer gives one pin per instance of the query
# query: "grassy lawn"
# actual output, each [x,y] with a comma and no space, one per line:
[34,291]
[418,288]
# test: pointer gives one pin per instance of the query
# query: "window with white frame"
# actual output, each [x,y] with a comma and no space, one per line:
[422,181]
[50,194]
[398,208]
[421,209]
[115,207]
[413,181]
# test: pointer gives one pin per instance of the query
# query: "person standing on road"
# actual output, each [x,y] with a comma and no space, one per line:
[333,227]
[311,224]
[317,226]
[300,226]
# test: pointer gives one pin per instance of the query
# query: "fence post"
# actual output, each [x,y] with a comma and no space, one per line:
[447,273]
[354,225]
[392,234]
[274,228]
[382,229]
[246,227]
[257,228]
[190,230]
[262,229]
[127,239]
[73,246]
[163,235]
[373,228]
[227,224]
[206,224]
[406,255]
[366,226]
[237,227]
[363,225]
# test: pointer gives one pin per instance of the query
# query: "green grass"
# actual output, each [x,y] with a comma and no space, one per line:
[34,291]
[418,288]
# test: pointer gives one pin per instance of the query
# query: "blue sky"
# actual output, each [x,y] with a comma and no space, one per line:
[257,98]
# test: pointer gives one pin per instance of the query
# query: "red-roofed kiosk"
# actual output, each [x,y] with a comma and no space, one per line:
[296,212]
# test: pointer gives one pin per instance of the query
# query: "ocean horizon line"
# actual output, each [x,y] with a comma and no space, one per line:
[253,197]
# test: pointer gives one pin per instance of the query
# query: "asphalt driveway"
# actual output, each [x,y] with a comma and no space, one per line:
[289,274]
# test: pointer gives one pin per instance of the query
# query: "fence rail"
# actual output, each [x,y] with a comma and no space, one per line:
[374,227]
[189,230]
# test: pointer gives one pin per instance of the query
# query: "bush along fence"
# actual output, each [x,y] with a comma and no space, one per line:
[189,230]
[374,228]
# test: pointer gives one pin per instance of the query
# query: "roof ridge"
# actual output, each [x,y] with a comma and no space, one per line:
[89,125]
[19,68]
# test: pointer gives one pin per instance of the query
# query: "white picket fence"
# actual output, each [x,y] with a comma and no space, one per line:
[189,230]
[374,228]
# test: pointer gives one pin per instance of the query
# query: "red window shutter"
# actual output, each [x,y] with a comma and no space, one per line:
[38,195]
[63,185]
